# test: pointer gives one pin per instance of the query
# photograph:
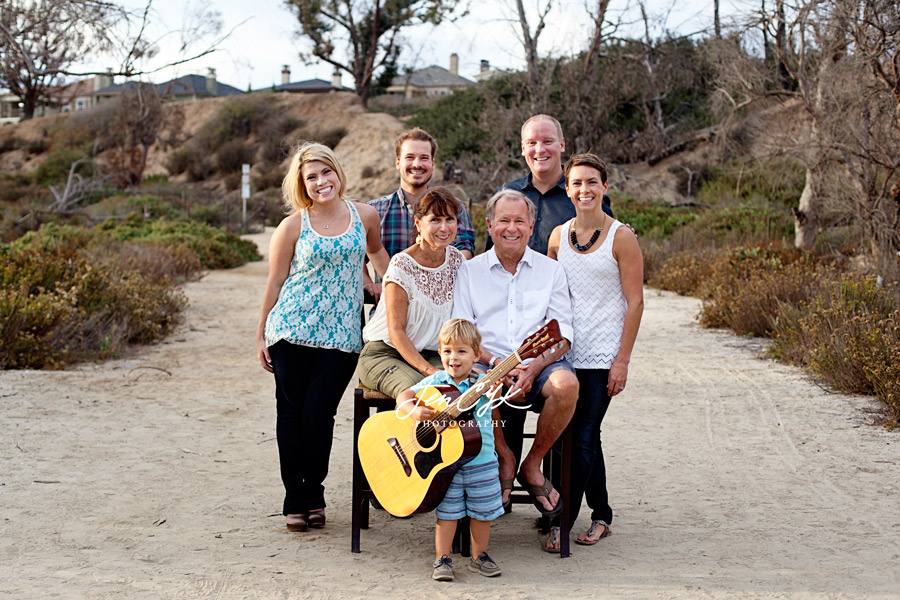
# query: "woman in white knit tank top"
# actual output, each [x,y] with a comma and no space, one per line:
[605,272]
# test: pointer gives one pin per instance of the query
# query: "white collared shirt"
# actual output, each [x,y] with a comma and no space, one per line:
[508,308]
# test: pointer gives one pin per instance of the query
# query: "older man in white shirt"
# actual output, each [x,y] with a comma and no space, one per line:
[510,292]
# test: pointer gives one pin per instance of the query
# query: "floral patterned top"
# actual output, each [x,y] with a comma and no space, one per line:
[320,302]
[430,295]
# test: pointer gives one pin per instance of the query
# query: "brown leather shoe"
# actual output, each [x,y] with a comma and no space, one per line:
[317,518]
[296,522]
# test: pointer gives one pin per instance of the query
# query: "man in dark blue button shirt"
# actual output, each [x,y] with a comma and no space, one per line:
[542,146]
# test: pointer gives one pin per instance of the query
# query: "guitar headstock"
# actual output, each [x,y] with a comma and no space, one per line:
[546,337]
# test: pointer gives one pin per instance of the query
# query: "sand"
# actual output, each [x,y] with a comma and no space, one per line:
[156,476]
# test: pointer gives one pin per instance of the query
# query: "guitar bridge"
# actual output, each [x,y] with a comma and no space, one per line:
[395,445]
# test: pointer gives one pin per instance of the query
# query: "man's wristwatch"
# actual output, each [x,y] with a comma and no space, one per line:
[495,360]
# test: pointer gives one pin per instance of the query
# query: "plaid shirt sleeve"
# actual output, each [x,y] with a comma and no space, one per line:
[465,233]
[396,227]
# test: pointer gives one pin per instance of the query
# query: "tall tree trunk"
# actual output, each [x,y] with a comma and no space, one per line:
[806,215]
[784,76]
[718,25]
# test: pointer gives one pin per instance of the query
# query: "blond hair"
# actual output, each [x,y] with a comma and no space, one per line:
[552,120]
[293,190]
[460,331]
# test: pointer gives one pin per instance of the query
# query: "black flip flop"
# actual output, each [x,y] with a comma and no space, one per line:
[540,490]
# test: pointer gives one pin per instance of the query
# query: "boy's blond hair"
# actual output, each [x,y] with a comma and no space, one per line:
[460,331]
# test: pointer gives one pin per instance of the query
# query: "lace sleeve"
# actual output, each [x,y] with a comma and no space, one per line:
[398,272]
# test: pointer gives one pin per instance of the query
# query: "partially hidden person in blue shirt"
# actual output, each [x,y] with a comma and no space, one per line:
[543,145]
[415,150]
[475,488]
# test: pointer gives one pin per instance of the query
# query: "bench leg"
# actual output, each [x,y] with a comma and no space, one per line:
[356,496]
[565,483]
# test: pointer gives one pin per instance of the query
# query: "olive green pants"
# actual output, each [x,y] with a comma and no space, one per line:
[382,368]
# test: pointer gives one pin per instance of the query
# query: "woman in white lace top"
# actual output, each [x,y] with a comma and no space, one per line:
[402,336]
[605,272]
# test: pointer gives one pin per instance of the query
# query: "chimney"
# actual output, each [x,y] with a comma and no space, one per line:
[454,64]
[211,86]
[336,79]
[285,75]
[485,66]
[102,81]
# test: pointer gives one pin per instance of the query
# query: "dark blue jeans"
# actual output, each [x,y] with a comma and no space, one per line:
[309,383]
[588,467]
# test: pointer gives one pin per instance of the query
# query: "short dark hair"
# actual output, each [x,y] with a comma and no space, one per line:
[586,160]
[438,201]
[416,134]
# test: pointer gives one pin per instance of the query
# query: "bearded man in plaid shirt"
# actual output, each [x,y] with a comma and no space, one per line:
[415,150]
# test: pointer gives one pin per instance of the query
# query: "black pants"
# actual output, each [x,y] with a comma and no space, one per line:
[588,466]
[309,383]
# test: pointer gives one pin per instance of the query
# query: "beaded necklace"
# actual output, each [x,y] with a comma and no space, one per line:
[594,237]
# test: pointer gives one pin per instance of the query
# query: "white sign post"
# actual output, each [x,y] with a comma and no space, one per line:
[245,193]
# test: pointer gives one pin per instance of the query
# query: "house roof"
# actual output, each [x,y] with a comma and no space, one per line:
[75,89]
[309,85]
[433,76]
[187,84]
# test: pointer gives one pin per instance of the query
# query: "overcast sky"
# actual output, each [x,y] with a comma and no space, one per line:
[262,36]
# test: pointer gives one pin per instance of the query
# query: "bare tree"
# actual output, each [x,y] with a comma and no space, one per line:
[38,39]
[41,40]
[589,98]
[539,72]
[369,29]
[842,62]
[136,127]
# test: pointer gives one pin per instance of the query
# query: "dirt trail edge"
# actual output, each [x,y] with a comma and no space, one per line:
[156,476]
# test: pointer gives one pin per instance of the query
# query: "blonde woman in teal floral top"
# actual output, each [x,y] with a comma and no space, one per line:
[309,327]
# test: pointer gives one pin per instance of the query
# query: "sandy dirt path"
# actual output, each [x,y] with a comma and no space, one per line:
[156,476]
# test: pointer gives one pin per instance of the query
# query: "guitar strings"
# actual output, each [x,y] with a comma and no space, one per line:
[420,431]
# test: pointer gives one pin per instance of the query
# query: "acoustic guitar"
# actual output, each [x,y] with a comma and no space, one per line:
[409,464]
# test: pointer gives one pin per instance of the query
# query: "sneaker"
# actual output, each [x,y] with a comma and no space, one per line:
[442,569]
[485,565]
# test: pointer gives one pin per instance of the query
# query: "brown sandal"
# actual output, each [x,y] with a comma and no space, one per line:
[296,522]
[506,484]
[552,545]
[317,518]
[590,532]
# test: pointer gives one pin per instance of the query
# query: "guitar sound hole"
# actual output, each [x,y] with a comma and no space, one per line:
[425,435]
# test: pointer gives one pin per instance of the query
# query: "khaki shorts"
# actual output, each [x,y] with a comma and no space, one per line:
[382,368]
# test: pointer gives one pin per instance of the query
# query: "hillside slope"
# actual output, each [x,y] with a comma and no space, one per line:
[366,148]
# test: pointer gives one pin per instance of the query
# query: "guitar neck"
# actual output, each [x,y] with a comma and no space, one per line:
[478,389]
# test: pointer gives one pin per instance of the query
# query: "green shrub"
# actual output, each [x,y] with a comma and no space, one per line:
[748,286]
[684,273]
[36,146]
[742,223]
[216,249]
[271,179]
[200,168]
[158,178]
[55,168]
[180,160]
[231,155]
[778,183]
[238,118]
[213,248]
[57,309]
[11,143]
[652,219]
[848,334]
[331,137]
